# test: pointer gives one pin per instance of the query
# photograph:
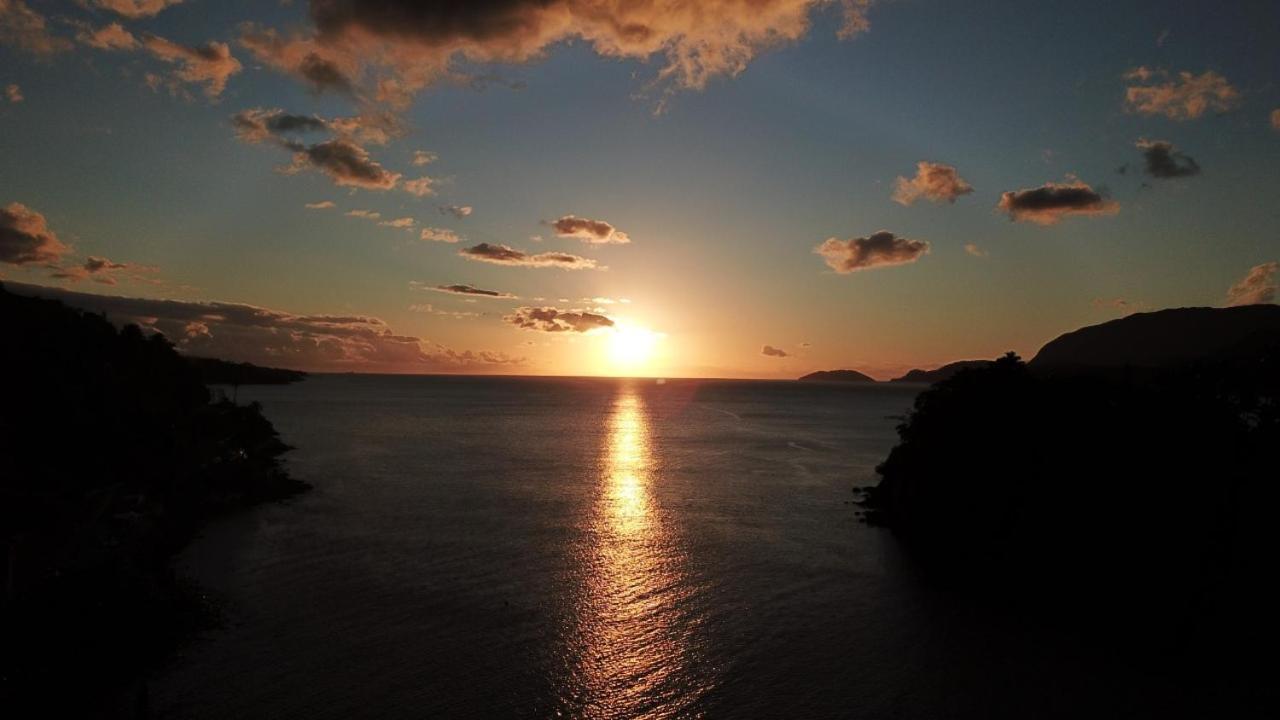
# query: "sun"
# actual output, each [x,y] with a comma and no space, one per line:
[632,347]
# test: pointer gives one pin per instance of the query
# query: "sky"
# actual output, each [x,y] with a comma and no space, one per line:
[727,188]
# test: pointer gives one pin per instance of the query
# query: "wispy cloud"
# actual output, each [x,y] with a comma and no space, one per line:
[1184,96]
[504,255]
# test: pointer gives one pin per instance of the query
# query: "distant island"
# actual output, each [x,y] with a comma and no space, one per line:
[225,372]
[841,376]
[115,456]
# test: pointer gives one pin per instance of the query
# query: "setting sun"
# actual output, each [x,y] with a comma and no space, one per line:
[632,347]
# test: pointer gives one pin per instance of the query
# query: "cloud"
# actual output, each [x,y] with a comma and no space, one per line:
[423,157]
[469,290]
[13,93]
[458,211]
[934,182]
[344,160]
[248,333]
[346,163]
[434,234]
[210,64]
[503,255]
[1051,202]
[27,30]
[974,250]
[1256,287]
[771,351]
[1275,119]
[134,9]
[366,214]
[112,36]
[99,269]
[595,232]
[25,237]
[322,70]
[322,205]
[420,187]
[1164,161]
[1185,97]
[405,45]
[549,319]
[404,223]
[879,250]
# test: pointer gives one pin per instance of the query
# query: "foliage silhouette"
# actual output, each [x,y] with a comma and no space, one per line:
[111,457]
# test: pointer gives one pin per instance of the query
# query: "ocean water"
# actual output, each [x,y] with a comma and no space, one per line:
[595,548]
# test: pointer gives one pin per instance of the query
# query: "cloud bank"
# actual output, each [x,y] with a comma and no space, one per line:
[247,333]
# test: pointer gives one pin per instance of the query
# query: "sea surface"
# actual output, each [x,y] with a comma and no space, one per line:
[596,548]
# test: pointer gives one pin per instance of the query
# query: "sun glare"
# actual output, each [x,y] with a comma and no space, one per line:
[632,347]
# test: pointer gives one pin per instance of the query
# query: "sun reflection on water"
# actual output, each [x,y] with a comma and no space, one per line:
[635,653]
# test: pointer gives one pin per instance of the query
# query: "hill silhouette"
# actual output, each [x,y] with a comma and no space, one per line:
[1165,338]
[941,373]
[843,376]
[112,457]
[1134,507]
[224,372]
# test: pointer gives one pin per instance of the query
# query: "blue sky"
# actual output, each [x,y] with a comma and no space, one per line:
[724,194]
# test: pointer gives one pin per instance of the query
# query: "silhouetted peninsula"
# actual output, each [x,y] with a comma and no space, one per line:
[942,373]
[841,376]
[113,458]
[224,372]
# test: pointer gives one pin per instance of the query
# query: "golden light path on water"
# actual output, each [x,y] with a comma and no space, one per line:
[636,641]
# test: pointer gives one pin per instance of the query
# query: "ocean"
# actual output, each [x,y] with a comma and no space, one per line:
[594,548]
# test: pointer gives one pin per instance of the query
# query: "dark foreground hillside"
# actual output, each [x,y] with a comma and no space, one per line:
[1132,508]
[111,457]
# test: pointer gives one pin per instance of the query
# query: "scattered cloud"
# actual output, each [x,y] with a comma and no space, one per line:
[248,333]
[341,158]
[458,211]
[1051,202]
[403,223]
[13,93]
[135,9]
[469,290]
[28,30]
[933,182]
[25,237]
[112,36]
[594,232]
[429,309]
[210,64]
[423,157]
[880,249]
[549,319]
[422,187]
[322,205]
[1164,161]
[1275,119]
[1184,97]
[434,234]
[503,255]
[974,250]
[366,214]
[771,351]
[1256,287]
[1112,303]
[404,45]
[98,269]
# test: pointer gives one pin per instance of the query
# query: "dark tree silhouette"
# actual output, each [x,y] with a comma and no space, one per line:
[111,457]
